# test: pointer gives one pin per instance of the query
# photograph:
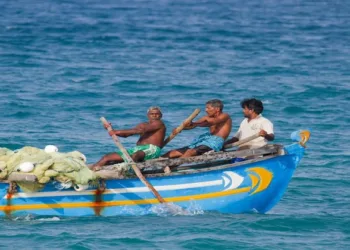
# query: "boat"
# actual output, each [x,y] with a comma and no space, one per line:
[218,181]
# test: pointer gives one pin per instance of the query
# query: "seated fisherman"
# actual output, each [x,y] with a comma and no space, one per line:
[219,124]
[148,146]
[253,123]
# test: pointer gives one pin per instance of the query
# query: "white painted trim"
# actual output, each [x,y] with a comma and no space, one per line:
[118,190]
[235,180]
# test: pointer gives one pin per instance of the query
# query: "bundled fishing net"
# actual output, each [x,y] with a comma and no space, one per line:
[46,166]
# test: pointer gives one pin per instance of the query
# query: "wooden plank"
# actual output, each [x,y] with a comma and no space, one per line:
[269,149]
[207,158]
[22,177]
[191,168]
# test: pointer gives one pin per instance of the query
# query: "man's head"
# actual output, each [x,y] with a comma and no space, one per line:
[154,113]
[214,107]
[252,107]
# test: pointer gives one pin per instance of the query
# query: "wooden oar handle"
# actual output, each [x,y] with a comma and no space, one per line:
[116,140]
[240,142]
[133,164]
[181,127]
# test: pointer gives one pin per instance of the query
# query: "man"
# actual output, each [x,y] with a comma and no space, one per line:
[148,146]
[219,124]
[253,123]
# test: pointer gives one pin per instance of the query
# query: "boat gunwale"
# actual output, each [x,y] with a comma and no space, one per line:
[277,147]
[214,168]
[279,152]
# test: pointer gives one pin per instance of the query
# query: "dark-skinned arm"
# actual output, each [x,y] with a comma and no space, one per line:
[128,132]
[152,127]
[192,125]
[125,132]
[208,121]
[232,140]
[141,129]
[269,137]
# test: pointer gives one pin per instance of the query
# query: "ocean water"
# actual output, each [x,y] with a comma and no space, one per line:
[64,64]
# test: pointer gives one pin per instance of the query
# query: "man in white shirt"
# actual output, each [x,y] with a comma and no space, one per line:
[253,123]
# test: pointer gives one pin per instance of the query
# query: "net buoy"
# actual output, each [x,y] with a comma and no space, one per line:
[80,187]
[51,149]
[25,167]
[83,158]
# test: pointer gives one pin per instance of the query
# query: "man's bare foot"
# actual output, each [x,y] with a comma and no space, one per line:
[95,167]
[167,170]
[162,158]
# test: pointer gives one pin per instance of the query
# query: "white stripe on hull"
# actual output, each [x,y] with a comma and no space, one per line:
[118,190]
[230,181]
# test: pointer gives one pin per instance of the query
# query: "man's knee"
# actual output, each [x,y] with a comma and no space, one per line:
[138,156]
[107,157]
[175,154]
[112,157]
[190,152]
[166,154]
[201,149]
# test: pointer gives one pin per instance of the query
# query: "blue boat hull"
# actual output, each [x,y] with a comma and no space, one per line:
[249,187]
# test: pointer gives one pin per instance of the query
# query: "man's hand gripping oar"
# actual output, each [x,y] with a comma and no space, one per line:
[172,208]
[181,126]
[241,142]
[132,163]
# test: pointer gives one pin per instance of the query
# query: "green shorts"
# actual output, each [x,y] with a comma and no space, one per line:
[151,151]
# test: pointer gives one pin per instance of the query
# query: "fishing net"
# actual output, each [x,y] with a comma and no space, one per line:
[55,166]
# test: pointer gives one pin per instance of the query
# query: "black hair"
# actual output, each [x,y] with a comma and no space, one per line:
[253,104]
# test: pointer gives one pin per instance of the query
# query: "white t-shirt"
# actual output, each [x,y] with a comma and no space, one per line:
[247,129]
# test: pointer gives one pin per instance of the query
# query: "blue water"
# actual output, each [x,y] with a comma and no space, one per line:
[64,64]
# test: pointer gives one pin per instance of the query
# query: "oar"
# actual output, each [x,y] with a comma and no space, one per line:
[181,127]
[240,142]
[133,164]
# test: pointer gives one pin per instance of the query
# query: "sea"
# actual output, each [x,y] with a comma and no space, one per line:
[66,63]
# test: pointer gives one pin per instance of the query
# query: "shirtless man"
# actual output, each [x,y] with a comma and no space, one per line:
[148,146]
[253,123]
[219,124]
